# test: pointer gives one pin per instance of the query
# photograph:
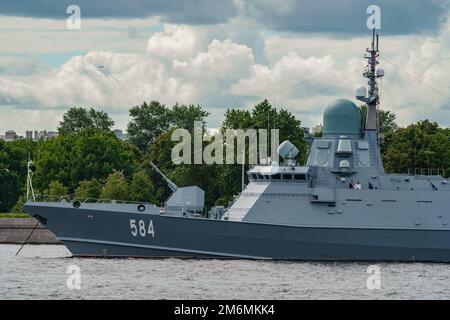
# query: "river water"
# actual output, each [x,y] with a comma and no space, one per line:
[42,272]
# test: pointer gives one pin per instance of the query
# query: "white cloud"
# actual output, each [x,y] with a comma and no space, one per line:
[176,42]
[116,81]
[286,73]
[36,35]
[223,59]
[207,66]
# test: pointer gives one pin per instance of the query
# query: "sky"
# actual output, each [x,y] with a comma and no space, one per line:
[299,54]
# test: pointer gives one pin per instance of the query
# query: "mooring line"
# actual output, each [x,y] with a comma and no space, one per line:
[28,238]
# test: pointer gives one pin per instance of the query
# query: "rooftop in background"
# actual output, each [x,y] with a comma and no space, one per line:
[12,135]
[119,134]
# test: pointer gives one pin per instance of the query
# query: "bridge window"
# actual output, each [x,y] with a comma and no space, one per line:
[287,176]
[276,176]
[299,177]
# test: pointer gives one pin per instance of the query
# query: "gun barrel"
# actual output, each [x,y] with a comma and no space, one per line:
[171,185]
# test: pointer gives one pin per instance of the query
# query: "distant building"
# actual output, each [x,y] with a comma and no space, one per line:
[317,129]
[10,135]
[44,134]
[119,134]
[52,134]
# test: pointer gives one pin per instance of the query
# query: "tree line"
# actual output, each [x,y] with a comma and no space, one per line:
[87,160]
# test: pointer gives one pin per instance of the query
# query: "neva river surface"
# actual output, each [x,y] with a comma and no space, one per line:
[40,272]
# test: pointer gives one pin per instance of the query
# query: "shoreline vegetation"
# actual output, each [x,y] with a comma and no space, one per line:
[14,215]
[87,161]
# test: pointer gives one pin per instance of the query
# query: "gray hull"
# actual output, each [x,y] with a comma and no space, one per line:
[109,234]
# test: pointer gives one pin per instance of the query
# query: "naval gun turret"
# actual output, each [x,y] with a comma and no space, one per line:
[184,201]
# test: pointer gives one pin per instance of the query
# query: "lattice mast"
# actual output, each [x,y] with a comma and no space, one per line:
[372,99]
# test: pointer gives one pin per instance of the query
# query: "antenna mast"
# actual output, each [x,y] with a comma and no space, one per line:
[31,168]
[372,73]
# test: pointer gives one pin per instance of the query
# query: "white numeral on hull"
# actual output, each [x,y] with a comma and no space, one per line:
[140,228]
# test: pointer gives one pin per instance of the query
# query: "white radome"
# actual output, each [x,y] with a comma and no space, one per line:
[380,72]
[287,150]
[361,91]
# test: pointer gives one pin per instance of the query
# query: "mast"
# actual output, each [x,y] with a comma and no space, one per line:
[372,100]
[31,168]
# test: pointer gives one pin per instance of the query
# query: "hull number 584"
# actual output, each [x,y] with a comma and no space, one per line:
[140,228]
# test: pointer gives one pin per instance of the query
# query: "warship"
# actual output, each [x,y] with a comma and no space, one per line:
[339,205]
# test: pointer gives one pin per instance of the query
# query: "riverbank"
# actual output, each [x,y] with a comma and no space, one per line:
[17,230]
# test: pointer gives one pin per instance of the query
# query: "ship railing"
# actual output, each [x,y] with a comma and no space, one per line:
[70,199]
[427,172]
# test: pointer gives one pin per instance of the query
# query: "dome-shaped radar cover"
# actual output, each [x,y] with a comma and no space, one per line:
[342,117]
[287,150]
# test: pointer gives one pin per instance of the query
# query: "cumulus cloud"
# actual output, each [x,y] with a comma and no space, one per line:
[187,64]
[419,81]
[176,42]
[286,73]
[119,80]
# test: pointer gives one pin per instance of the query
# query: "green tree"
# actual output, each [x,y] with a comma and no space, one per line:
[183,116]
[290,129]
[88,189]
[149,120]
[56,191]
[160,153]
[237,119]
[262,116]
[386,119]
[77,119]
[13,171]
[420,145]
[116,187]
[18,207]
[84,155]
[201,175]
[141,188]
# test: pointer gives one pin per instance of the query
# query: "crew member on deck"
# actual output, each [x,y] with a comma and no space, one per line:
[350,185]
